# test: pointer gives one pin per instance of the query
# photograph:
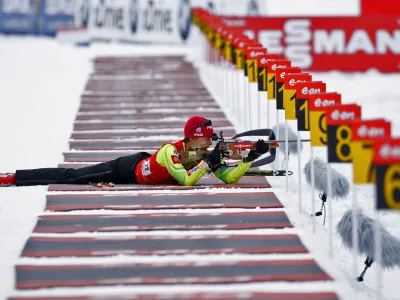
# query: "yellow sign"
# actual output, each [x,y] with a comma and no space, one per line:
[271,77]
[391,184]
[262,79]
[387,166]
[339,143]
[318,128]
[289,93]
[252,68]
[289,102]
[218,41]
[221,46]
[211,37]
[239,59]
[363,170]
[387,185]
[228,50]
[302,114]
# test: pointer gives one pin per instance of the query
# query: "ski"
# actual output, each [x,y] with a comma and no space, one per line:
[267,173]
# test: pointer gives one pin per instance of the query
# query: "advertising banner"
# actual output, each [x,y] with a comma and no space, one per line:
[329,43]
[232,7]
[56,14]
[140,20]
[19,16]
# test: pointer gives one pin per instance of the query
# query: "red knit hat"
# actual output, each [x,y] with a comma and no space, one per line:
[198,127]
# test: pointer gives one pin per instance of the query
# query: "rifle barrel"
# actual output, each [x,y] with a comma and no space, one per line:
[290,141]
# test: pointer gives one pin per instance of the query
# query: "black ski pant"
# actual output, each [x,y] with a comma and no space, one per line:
[119,171]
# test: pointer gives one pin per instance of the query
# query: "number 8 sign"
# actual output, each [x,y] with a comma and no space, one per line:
[338,118]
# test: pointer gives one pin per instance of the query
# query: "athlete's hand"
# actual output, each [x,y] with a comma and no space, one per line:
[261,148]
[213,159]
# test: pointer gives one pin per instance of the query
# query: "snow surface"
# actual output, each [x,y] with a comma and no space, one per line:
[40,87]
[374,92]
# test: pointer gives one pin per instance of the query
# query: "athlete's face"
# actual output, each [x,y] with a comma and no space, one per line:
[202,142]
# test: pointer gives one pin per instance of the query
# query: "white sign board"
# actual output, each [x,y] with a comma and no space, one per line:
[140,20]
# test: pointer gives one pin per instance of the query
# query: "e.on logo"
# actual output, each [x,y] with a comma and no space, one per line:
[342,114]
[371,129]
[272,66]
[323,100]
[371,132]
[263,59]
[306,91]
[281,73]
[324,103]
[310,88]
[292,81]
[387,151]
[337,115]
[255,53]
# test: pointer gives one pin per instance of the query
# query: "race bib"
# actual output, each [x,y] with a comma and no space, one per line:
[146,168]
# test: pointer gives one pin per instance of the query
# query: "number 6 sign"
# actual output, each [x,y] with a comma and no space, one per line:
[387,163]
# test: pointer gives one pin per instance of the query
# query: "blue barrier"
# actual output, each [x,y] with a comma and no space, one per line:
[41,17]
[56,14]
[18,17]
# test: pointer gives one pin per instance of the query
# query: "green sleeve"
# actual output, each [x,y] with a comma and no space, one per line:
[168,157]
[228,175]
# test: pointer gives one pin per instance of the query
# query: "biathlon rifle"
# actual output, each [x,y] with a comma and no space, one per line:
[233,148]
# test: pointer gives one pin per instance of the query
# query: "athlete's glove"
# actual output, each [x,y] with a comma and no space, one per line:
[213,159]
[261,148]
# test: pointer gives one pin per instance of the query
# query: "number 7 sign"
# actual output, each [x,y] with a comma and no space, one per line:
[365,133]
